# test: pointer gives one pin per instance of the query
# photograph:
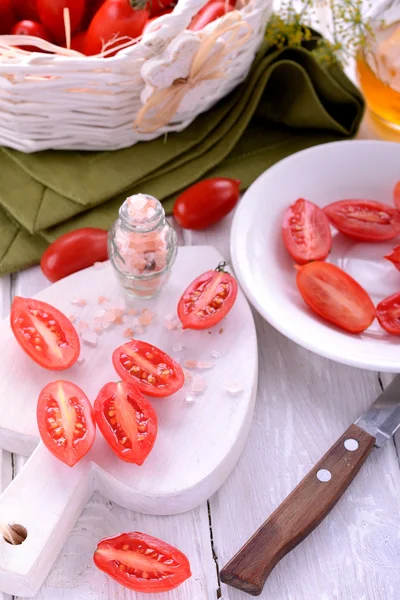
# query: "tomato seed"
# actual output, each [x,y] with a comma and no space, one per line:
[151,379]
[124,440]
[79,425]
[135,369]
[111,413]
[125,547]
[142,428]
[122,567]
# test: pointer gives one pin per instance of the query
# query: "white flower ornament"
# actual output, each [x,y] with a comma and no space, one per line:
[189,73]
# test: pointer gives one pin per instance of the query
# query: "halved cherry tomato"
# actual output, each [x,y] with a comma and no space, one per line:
[394,257]
[127,421]
[209,13]
[73,252]
[150,369]
[364,220]
[397,195]
[51,13]
[66,422]
[115,18]
[142,563]
[31,28]
[26,9]
[208,299]
[206,202]
[44,333]
[335,296]
[306,232]
[7,16]
[388,313]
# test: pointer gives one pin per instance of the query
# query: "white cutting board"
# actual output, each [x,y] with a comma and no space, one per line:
[197,446]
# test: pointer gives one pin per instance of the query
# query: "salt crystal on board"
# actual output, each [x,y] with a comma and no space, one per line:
[128,333]
[177,347]
[132,312]
[98,329]
[205,365]
[82,325]
[188,375]
[171,322]
[72,318]
[102,299]
[190,364]
[234,388]
[199,385]
[215,354]
[80,360]
[146,317]
[190,398]
[79,302]
[90,338]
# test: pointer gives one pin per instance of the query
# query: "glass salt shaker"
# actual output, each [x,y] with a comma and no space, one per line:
[142,246]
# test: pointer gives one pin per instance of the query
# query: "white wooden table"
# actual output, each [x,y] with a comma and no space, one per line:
[304,403]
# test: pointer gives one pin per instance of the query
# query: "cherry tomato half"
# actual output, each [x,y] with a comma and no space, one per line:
[51,13]
[397,195]
[115,18]
[335,296]
[26,9]
[388,313]
[306,232]
[364,220]
[152,371]
[208,299]
[206,202]
[142,563]
[394,257]
[73,252]
[7,16]
[209,13]
[44,333]
[127,421]
[31,28]
[66,422]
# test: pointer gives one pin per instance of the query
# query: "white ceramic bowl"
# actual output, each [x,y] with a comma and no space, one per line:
[350,169]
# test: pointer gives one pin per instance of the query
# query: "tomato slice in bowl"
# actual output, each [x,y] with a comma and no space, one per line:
[44,333]
[364,220]
[394,257]
[66,422]
[208,299]
[150,369]
[127,421]
[335,296]
[142,563]
[306,232]
[388,313]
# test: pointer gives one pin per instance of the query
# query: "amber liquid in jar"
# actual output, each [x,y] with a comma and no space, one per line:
[379,75]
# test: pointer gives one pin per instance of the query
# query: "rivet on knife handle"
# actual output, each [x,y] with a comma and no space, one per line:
[300,513]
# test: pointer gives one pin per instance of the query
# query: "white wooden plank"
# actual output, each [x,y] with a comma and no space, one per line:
[74,575]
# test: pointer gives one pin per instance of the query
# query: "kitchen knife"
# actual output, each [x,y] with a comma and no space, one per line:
[315,496]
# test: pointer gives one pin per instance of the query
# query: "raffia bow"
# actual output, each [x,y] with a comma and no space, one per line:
[163,104]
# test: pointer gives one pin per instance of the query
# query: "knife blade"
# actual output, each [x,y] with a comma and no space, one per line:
[315,496]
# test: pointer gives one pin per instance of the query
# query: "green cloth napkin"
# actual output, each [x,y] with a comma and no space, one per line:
[287,103]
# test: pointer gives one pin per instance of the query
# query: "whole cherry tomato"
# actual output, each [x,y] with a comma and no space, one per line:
[31,28]
[210,12]
[208,299]
[388,313]
[142,563]
[26,9]
[364,220]
[7,16]
[73,252]
[51,14]
[206,202]
[397,195]
[394,257]
[335,296]
[115,19]
[306,232]
[78,43]
[92,6]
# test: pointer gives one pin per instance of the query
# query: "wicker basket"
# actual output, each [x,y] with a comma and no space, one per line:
[160,84]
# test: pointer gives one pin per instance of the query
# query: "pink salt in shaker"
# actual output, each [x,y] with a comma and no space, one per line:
[142,246]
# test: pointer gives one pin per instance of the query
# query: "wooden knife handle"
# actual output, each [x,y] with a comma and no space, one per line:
[300,513]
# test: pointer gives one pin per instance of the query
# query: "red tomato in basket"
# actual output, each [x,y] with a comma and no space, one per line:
[92,6]
[210,12]
[394,257]
[142,563]
[335,296]
[66,422]
[31,28]
[7,16]
[51,14]
[26,9]
[388,313]
[150,369]
[208,299]
[78,43]
[74,251]
[116,18]
[364,220]
[397,195]
[127,421]
[306,232]
[158,7]
[44,333]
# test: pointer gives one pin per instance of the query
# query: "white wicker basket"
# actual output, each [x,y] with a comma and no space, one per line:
[69,101]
